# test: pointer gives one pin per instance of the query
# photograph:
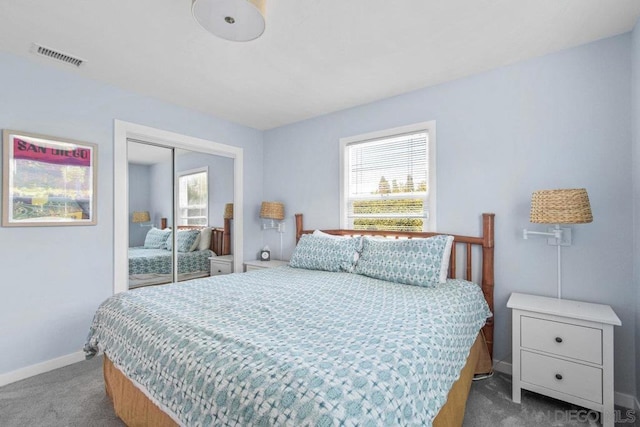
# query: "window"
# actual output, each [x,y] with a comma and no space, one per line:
[193,197]
[388,179]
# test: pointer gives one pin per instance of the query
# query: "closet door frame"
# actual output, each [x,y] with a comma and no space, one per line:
[125,130]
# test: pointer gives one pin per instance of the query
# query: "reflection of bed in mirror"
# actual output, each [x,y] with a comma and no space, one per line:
[151,264]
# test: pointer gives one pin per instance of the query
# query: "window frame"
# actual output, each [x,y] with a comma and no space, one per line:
[430,128]
[204,169]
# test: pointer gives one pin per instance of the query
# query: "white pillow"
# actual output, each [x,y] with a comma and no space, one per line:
[205,239]
[446,255]
[323,234]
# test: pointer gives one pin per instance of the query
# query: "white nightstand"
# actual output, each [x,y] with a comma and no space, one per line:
[259,265]
[564,349]
[221,265]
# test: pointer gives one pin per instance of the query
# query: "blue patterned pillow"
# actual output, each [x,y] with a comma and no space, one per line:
[156,238]
[324,253]
[421,262]
[187,240]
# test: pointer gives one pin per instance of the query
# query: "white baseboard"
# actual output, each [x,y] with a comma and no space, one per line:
[621,399]
[625,400]
[41,368]
[501,366]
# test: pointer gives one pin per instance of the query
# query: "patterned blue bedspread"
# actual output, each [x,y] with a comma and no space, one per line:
[295,347]
[144,261]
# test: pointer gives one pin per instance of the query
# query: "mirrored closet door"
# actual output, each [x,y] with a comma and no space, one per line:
[150,174]
[176,189]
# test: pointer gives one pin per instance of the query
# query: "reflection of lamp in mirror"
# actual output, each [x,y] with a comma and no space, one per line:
[272,214]
[142,218]
[567,206]
[228,211]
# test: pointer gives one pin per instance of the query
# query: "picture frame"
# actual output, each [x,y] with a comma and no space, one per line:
[48,181]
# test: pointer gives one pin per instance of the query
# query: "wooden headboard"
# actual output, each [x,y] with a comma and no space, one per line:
[220,237]
[463,245]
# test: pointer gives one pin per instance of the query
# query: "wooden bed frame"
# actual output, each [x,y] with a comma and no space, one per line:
[220,237]
[463,244]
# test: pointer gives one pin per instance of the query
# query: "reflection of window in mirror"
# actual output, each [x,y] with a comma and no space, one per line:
[193,197]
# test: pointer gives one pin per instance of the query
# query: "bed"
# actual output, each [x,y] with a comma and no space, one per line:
[300,346]
[152,264]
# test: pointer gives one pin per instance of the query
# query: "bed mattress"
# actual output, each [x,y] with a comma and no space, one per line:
[289,346]
[158,261]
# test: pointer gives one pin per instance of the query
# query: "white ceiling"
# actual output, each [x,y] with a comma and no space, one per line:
[315,56]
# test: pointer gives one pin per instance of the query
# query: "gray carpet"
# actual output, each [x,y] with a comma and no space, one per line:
[74,396]
[69,396]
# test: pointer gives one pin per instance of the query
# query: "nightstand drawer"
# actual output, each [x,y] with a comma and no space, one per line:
[562,376]
[563,339]
[260,265]
[218,268]
[220,265]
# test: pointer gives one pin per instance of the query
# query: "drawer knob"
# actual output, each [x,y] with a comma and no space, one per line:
[558,376]
[220,271]
[558,339]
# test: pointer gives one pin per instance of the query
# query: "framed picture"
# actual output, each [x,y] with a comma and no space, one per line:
[47,181]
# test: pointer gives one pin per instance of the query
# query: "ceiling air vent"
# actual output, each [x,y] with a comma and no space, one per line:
[54,54]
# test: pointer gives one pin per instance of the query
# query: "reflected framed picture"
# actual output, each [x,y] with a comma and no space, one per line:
[47,181]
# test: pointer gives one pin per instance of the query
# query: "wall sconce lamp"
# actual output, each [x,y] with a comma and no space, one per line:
[272,214]
[567,206]
[142,218]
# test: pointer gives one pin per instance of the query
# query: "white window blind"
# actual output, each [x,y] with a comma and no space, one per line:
[193,198]
[388,182]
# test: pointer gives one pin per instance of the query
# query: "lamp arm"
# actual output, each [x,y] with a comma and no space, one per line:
[557,233]
[526,233]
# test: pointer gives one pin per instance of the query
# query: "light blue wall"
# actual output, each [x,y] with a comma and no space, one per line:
[635,114]
[560,121]
[161,198]
[54,278]
[139,200]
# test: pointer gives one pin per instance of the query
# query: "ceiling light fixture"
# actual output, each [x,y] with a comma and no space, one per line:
[235,20]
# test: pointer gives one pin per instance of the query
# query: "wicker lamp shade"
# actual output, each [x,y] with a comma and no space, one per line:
[272,210]
[228,211]
[567,206]
[141,216]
